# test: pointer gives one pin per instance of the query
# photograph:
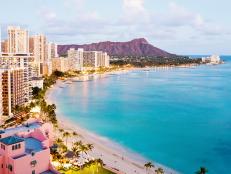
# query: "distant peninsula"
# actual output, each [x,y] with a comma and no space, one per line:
[137,52]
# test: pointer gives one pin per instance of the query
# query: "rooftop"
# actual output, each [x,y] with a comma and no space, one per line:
[48,172]
[33,145]
[11,140]
[22,128]
[2,131]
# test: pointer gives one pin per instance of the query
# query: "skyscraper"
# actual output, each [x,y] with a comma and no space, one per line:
[75,58]
[95,59]
[15,61]
[18,40]
[4,46]
[1,104]
[38,47]
[13,95]
[0,40]
[52,52]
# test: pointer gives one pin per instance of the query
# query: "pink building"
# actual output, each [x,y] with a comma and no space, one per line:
[26,149]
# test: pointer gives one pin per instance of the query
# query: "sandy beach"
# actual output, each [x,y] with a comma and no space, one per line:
[117,158]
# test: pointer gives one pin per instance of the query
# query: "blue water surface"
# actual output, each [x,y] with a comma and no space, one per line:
[179,117]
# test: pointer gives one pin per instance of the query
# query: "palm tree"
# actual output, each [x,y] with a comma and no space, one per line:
[61,130]
[99,163]
[66,135]
[202,170]
[89,147]
[75,134]
[83,149]
[78,143]
[62,149]
[75,150]
[159,171]
[59,141]
[148,166]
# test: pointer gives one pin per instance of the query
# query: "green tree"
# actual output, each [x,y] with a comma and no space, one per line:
[159,171]
[35,92]
[202,170]
[66,135]
[148,166]
[89,147]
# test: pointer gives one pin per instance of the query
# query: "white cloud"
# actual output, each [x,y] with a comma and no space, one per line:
[181,16]
[77,4]
[134,6]
[134,11]
[174,24]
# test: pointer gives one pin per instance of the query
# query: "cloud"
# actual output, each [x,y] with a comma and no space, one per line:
[134,12]
[178,16]
[134,6]
[74,3]
[173,24]
[47,14]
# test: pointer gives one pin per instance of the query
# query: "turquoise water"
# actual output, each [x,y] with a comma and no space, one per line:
[180,117]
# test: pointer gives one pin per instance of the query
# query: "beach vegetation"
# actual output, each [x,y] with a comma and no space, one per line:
[66,135]
[149,61]
[159,171]
[75,134]
[92,167]
[202,170]
[148,166]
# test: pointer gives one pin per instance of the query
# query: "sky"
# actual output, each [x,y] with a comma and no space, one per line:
[178,26]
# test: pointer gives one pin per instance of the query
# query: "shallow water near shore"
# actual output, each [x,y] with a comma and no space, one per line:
[179,117]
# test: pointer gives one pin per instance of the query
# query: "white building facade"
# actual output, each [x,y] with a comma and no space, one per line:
[18,40]
[75,58]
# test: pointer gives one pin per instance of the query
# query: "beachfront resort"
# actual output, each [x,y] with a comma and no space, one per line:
[28,144]
[26,148]
[31,138]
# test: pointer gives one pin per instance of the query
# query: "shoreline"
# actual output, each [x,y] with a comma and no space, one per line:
[116,157]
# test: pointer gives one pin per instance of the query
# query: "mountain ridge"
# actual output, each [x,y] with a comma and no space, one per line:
[135,47]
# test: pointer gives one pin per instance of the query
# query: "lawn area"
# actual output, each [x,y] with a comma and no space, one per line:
[87,170]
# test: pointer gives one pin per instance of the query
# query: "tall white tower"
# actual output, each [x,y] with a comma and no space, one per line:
[0,41]
[18,40]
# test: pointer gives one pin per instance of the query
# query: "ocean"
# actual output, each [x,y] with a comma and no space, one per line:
[178,117]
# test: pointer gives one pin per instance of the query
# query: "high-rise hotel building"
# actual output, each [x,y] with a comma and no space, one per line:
[22,62]
[1,104]
[43,52]
[60,64]
[16,70]
[13,93]
[95,59]
[52,52]
[18,40]
[75,58]
[38,48]
[81,60]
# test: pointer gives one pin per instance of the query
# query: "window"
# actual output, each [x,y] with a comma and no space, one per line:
[2,146]
[16,146]
[33,163]
[10,167]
